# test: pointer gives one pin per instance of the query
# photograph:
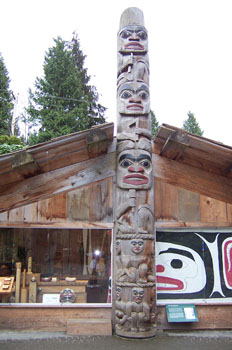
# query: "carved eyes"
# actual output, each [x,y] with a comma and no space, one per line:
[138,293]
[139,243]
[143,94]
[145,164]
[127,162]
[126,94]
[141,34]
[125,34]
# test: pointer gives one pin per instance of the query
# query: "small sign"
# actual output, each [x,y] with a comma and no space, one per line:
[51,299]
[181,313]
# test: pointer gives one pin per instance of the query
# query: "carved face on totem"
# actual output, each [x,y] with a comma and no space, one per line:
[133,38]
[133,99]
[137,246]
[137,295]
[118,293]
[134,169]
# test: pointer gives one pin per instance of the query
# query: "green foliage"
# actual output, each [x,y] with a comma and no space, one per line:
[63,102]
[154,124]
[191,125]
[10,144]
[10,140]
[5,148]
[6,97]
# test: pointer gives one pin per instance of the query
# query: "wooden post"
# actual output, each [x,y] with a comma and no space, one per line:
[18,277]
[24,289]
[134,285]
[29,267]
[85,237]
[33,290]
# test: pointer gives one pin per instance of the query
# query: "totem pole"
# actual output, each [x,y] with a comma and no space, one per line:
[134,228]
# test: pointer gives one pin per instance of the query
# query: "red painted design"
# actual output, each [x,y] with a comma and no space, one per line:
[173,284]
[160,268]
[135,179]
[228,262]
[134,45]
[135,107]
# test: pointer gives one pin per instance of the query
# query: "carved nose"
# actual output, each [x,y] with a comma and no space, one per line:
[135,99]
[134,37]
[136,169]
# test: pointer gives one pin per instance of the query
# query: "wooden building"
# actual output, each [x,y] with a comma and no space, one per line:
[57,214]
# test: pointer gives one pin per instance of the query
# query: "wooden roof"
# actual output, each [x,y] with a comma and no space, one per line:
[68,162]
[37,172]
[193,162]
[193,150]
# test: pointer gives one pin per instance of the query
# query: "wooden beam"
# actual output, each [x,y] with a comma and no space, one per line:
[61,225]
[97,142]
[57,181]
[175,145]
[24,164]
[192,179]
[186,224]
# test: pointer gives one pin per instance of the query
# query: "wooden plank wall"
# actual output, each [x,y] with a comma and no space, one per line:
[177,207]
[210,317]
[88,206]
[49,319]
[55,318]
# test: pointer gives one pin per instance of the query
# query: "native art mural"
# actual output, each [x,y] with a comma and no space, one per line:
[194,265]
[134,228]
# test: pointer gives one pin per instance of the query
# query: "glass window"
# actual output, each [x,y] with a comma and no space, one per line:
[53,266]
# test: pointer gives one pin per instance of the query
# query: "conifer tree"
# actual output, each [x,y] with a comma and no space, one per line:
[63,101]
[191,125]
[154,124]
[6,98]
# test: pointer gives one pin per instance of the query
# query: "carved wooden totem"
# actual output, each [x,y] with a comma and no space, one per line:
[134,228]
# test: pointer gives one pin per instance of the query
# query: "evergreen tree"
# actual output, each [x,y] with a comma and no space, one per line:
[6,97]
[191,125]
[63,101]
[154,124]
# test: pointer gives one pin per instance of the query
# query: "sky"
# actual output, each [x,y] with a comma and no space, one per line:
[190,52]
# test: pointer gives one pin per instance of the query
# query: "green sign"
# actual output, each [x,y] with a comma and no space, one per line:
[181,313]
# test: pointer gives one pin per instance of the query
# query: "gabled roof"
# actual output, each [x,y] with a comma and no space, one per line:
[68,162]
[52,167]
[54,154]
[196,151]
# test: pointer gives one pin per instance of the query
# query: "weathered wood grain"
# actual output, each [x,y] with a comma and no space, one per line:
[64,225]
[189,205]
[45,185]
[48,318]
[192,179]
[166,208]
[210,317]
[229,213]
[197,224]
[212,210]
